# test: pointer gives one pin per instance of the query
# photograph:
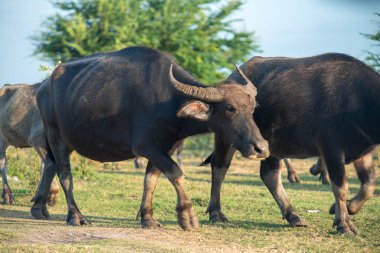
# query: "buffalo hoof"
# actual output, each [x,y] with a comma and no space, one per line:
[77,219]
[8,199]
[40,212]
[345,226]
[352,208]
[325,180]
[7,195]
[295,220]
[217,216]
[187,218]
[314,170]
[150,223]
[294,179]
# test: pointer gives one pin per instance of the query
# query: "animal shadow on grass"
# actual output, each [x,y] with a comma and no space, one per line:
[14,216]
[133,173]
[246,224]
[309,183]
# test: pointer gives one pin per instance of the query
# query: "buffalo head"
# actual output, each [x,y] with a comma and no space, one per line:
[228,110]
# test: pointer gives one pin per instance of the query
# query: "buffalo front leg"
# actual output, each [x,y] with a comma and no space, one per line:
[7,195]
[337,173]
[270,173]
[162,161]
[220,162]
[146,210]
[292,174]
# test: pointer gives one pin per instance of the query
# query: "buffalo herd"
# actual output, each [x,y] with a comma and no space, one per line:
[138,102]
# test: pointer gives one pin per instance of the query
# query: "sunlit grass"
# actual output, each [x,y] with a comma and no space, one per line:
[109,196]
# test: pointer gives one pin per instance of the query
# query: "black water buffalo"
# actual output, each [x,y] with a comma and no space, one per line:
[21,126]
[327,106]
[138,102]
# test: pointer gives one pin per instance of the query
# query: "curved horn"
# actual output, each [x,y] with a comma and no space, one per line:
[211,94]
[249,84]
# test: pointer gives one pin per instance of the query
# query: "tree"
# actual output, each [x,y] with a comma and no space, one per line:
[374,58]
[198,33]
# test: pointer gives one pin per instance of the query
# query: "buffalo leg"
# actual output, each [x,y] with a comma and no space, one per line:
[220,162]
[337,173]
[162,161]
[292,174]
[7,195]
[139,162]
[365,169]
[39,209]
[270,173]
[54,188]
[320,168]
[146,211]
[61,165]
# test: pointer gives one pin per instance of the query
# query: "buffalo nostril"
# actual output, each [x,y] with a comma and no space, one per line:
[258,149]
[261,148]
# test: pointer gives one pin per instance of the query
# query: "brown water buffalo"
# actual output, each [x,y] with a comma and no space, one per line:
[21,126]
[138,102]
[327,106]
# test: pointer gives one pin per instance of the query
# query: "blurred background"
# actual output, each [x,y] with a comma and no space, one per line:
[32,34]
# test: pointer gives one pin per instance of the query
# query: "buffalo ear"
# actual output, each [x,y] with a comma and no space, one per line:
[196,110]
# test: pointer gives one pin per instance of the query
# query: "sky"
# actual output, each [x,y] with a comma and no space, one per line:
[293,28]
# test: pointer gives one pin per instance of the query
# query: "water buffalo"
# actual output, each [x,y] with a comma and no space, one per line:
[21,126]
[327,106]
[138,102]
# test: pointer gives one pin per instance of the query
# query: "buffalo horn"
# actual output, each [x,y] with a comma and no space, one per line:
[249,84]
[210,94]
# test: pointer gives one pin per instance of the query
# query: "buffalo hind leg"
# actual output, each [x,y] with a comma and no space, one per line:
[270,173]
[337,173]
[54,188]
[7,195]
[146,211]
[187,218]
[292,174]
[39,209]
[220,162]
[365,169]
[61,165]
[139,162]
[320,168]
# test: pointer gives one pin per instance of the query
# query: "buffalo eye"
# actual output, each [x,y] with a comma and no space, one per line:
[230,108]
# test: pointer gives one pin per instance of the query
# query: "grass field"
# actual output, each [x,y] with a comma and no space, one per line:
[109,196]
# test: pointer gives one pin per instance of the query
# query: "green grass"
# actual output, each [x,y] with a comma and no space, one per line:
[110,197]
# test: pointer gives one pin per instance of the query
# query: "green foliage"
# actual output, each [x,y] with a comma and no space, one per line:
[82,168]
[198,33]
[200,145]
[373,58]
